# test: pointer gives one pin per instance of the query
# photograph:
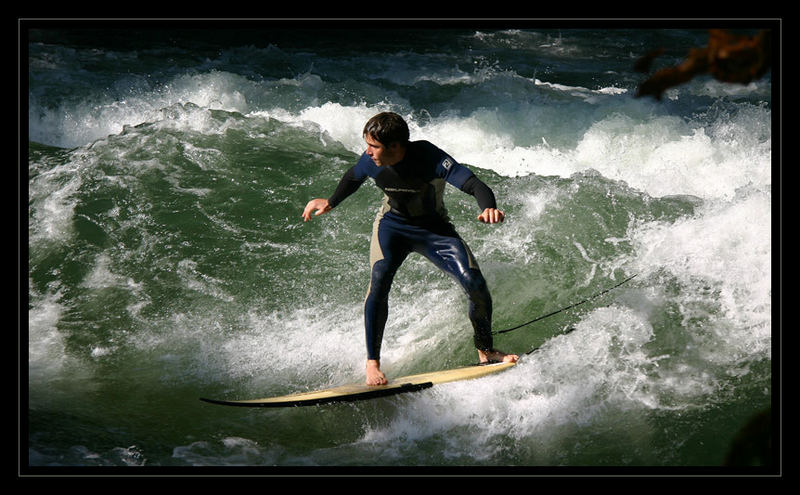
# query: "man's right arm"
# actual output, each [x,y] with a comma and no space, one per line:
[349,184]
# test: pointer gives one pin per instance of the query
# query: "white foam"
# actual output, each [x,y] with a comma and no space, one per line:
[573,380]
[46,347]
[722,257]
[661,155]
[665,156]
[81,123]
[303,347]
[600,129]
[51,199]
[342,123]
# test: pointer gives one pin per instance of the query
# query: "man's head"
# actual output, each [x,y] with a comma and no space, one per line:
[387,128]
[386,135]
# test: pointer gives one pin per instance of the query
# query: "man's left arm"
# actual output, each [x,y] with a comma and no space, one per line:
[486,200]
[462,177]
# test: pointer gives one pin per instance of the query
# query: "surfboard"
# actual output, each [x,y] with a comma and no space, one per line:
[356,392]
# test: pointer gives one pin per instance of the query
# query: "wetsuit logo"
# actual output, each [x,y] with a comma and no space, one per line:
[447,163]
[400,189]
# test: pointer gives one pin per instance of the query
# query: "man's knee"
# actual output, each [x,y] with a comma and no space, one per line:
[380,279]
[475,285]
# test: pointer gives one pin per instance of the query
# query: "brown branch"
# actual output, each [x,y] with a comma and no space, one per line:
[728,58]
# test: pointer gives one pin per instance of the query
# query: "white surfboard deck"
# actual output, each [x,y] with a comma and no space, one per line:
[355,392]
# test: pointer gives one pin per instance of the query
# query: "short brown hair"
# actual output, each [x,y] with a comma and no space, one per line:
[387,128]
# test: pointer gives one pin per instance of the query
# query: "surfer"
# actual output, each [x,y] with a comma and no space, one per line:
[412,175]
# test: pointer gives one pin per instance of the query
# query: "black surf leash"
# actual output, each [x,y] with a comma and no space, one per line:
[537,348]
[590,298]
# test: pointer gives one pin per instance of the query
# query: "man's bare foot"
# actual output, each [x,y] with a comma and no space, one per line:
[374,374]
[495,356]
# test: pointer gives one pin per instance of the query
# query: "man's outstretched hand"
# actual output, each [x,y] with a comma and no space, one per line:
[492,215]
[320,205]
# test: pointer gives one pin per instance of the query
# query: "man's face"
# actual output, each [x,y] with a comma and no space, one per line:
[383,155]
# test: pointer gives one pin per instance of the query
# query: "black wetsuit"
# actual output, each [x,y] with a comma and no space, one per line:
[413,218]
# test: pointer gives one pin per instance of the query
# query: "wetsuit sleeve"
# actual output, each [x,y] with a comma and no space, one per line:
[483,194]
[462,177]
[349,184]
